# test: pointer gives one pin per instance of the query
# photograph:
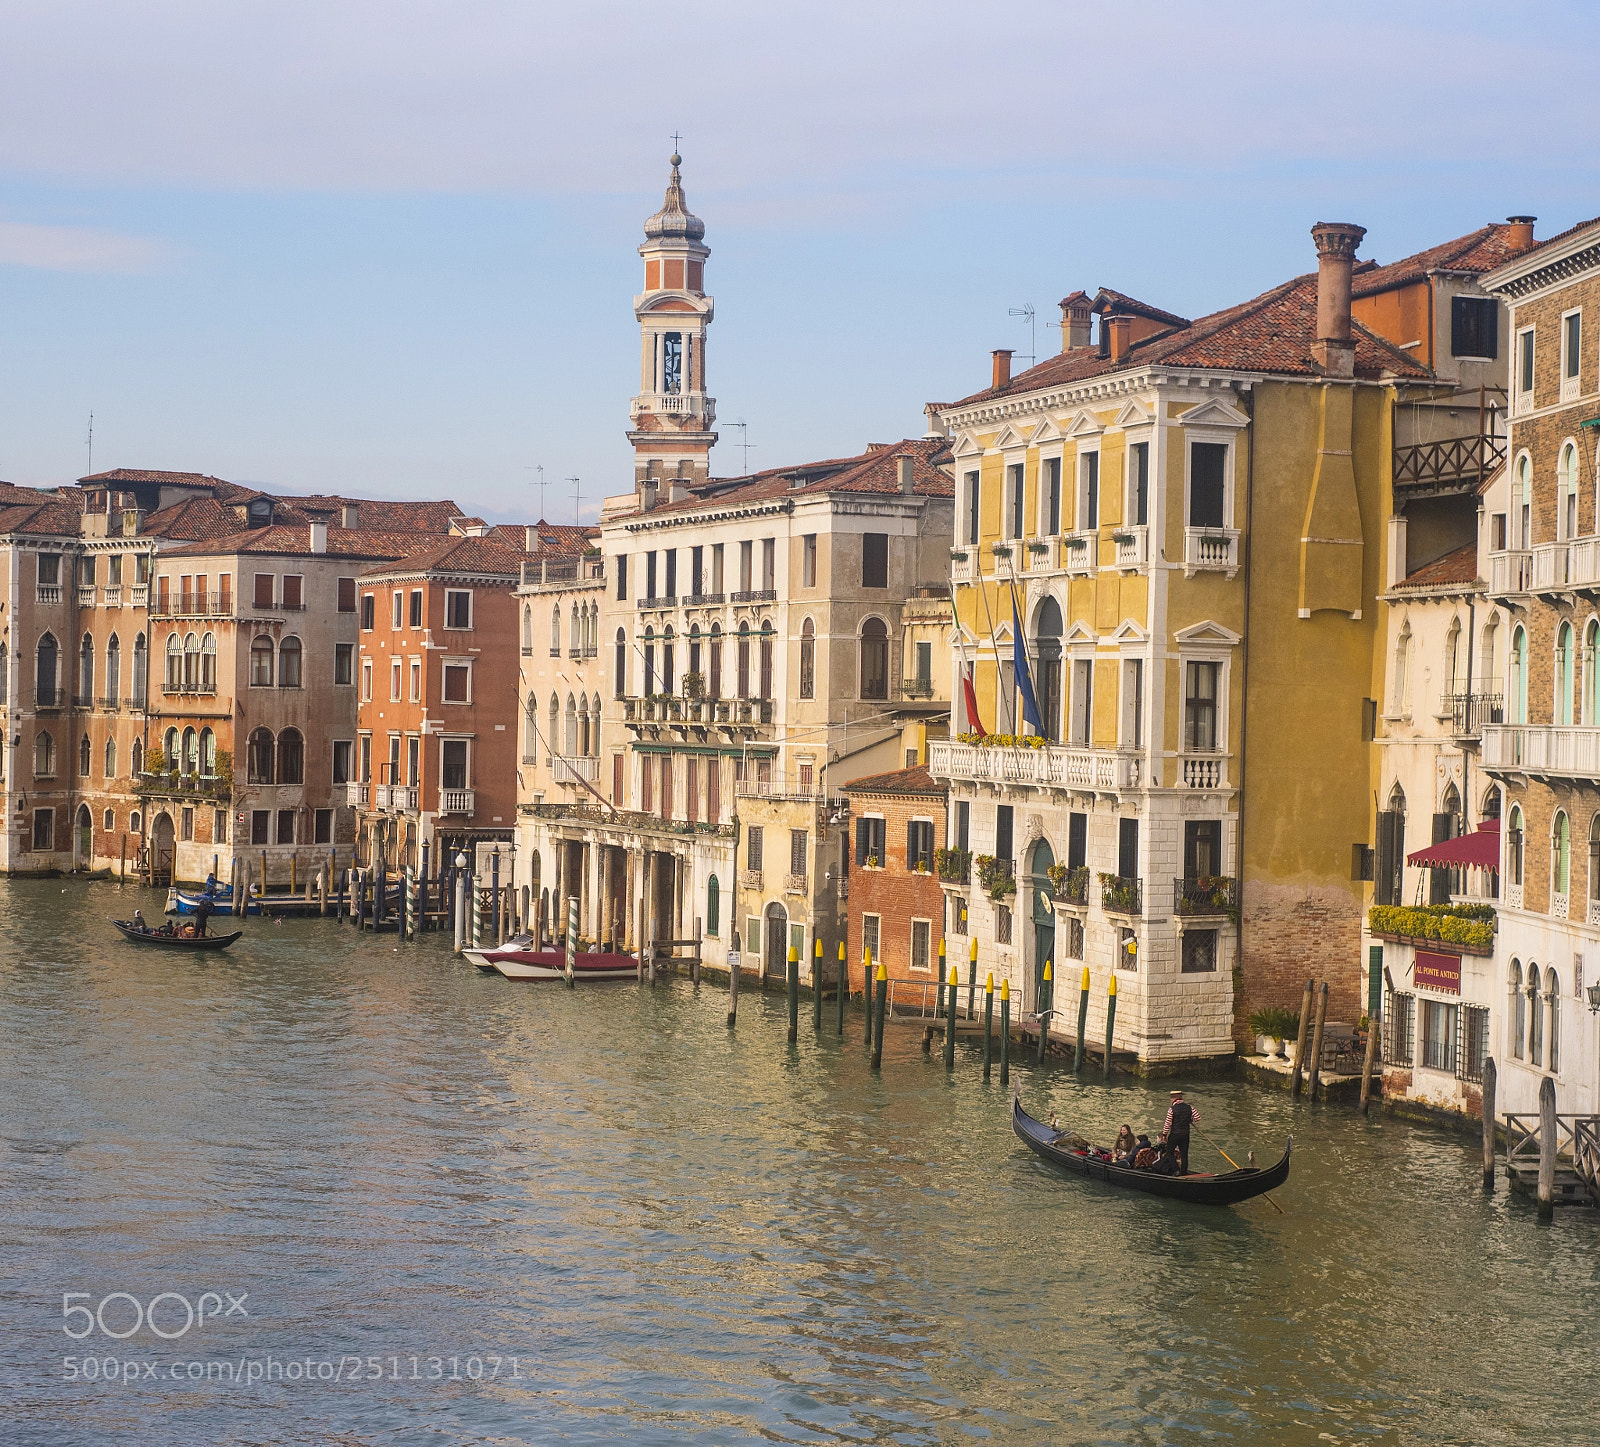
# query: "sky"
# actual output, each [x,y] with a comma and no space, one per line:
[390,248]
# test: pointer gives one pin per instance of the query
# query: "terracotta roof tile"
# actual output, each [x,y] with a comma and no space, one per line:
[1477,252]
[1452,570]
[44,515]
[294,540]
[1114,303]
[1271,333]
[195,519]
[140,474]
[458,555]
[898,781]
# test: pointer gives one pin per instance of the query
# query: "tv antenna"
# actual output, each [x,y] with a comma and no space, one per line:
[1026,312]
[577,496]
[746,444]
[539,468]
[90,441]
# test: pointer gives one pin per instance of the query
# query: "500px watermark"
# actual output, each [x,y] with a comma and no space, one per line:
[248,1371]
[195,1314]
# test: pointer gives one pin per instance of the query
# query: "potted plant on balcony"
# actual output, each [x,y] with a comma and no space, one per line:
[1273,1025]
[694,685]
[1038,549]
[996,877]
[1119,895]
[958,555]
[954,865]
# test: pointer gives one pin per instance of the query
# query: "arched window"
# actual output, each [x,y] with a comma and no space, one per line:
[714,671]
[594,726]
[713,906]
[767,635]
[1535,1018]
[1519,1011]
[808,659]
[208,753]
[289,663]
[574,633]
[83,757]
[1591,676]
[619,674]
[649,661]
[141,671]
[695,651]
[261,662]
[1047,630]
[137,760]
[552,738]
[555,631]
[5,674]
[874,659]
[1522,504]
[259,756]
[1560,854]
[191,663]
[1402,664]
[1519,676]
[86,671]
[1567,488]
[667,671]
[44,755]
[1514,846]
[111,758]
[113,668]
[191,752]
[208,663]
[174,683]
[570,737]
[527,628]
[1594,857]
[1564,669]
[1552,995]
[45,671]
[136,822]
[530,729]
[291,757]
[744,661]
[1452,663]
[170,748]
[583,725]
[109,821]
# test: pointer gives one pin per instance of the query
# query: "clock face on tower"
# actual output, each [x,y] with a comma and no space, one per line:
[672,362]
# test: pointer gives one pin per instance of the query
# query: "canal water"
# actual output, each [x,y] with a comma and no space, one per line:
[416,1204]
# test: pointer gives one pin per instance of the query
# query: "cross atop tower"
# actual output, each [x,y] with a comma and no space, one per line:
[675,139]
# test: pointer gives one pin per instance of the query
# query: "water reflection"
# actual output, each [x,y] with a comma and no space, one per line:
[664,1232]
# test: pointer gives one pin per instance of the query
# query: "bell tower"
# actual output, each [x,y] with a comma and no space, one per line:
[672,415]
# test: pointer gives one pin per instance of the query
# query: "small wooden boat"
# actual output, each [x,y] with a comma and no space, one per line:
[183,901]
[522,959]
[1203,1190]
[144,935]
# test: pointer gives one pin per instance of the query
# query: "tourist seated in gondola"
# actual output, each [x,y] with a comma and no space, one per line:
[1122,1150]
[138,920]
[1166,1158]
[1144,1155]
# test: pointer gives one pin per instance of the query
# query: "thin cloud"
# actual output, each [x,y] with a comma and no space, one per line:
[81,249]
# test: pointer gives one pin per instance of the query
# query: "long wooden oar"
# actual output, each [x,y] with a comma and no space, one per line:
[1230,1160]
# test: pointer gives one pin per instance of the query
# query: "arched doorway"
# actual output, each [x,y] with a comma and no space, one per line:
[1047,639]
[1044,924]
[83,840]
[161,849]
[775,941]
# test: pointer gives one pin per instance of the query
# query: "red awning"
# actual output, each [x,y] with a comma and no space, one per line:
[1478,850]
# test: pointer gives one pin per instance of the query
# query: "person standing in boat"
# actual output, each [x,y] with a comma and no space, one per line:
[202,912]
[1180,1116]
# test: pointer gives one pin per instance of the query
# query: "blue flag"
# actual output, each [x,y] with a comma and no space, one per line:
[1019,663]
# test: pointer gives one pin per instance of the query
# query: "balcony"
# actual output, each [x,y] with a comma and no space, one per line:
[1078,553]
[964,566]
[48,593]
[917,687]
[49,697]
[1469,712]
[954,866]
[1070,885]
[1210,550]
[357,795]
[1053,766]
[754,595]
[704,600]
[455,801]
[1133,547]
[796,884]
[395,796]
[1455,464]
[113,596]
[1204,771]
[138,594]
[750,879]
[192,605]
[1042,555]
[1203,895]
[645,605]
[1121,894]
[1547,751]
[1511,572]
[86,596]
[678,404]
[573,771]
[110,705]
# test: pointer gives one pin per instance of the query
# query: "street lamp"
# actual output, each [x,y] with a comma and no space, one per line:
[1593,992]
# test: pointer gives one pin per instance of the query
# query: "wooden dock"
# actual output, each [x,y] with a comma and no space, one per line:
[1577,1159]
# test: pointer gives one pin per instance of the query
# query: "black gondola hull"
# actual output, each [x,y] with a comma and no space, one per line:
[1201,1190]
[147,936]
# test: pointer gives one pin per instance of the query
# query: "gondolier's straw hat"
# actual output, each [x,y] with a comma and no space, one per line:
[1176,1092]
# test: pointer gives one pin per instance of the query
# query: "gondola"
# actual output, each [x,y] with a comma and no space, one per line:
[1203,1190]
[148,936]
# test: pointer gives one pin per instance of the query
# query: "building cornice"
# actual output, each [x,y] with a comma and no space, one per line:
[1549,266]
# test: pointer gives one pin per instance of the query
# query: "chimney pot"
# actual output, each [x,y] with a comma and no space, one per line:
[351,516]
[907,466]
[319,537]
[530,540]
[1076,318]
[1002,367]
[1521,234]
[1336,243]
[1120,330]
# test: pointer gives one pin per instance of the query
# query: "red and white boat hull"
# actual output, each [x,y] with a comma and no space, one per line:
[519,960]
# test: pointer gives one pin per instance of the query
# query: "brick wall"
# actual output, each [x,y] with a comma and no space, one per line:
[894,893]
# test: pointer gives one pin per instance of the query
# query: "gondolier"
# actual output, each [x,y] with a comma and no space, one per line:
[1180,1116]
[202,912]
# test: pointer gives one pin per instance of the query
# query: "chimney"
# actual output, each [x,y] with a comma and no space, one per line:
[319,537]
[1336,243]
[1075,319]
[936,424]
[351,516]
[1120,332]
[906,464]
[1002,367]
[530,540]
[1520,236]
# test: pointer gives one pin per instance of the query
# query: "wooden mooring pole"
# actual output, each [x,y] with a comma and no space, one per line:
[1111,1021]
[841,988]
[1083,1020]
[1316,1040]
[866,990]
[950,1022]
[734,971]
[794,994]
[882,981]
[816,987]
[988,1024]
[1489,1081]
[1300,1043]
[1374,1030]
[1005,1031]
[1547,1147]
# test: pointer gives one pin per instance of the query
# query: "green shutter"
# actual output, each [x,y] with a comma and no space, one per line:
[1374,981]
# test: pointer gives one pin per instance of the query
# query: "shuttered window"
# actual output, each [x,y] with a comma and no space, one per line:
[1474,327]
